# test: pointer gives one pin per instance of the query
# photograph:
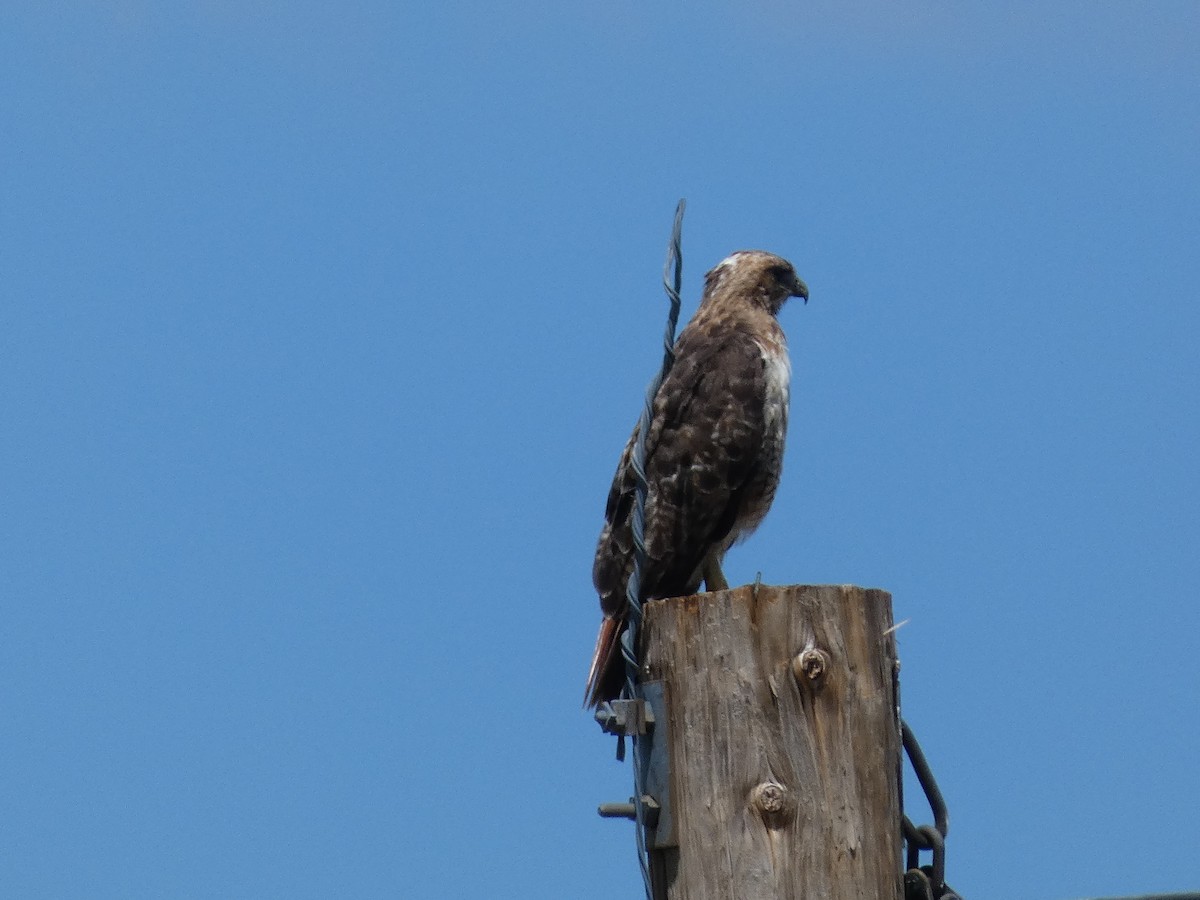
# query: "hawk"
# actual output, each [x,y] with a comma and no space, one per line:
[713,454]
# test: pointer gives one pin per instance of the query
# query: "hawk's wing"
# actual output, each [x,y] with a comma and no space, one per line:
[702,451]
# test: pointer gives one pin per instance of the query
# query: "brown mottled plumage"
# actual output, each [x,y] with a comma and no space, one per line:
[714,450]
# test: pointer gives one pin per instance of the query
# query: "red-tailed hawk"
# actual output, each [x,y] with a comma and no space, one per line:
[714,450]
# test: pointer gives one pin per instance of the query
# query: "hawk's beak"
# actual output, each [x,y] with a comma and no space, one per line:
[799,289]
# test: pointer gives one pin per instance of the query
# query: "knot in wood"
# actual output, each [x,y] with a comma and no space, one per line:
[773,802]
[811,665]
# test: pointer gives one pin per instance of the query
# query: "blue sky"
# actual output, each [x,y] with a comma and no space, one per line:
[323,326]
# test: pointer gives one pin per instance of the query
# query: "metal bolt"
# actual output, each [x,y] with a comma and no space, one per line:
[617,811]
[650,810]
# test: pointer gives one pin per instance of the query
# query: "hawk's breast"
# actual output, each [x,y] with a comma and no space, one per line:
[778,371]
[777,376]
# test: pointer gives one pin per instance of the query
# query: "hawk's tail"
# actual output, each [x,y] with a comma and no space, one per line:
[607,671]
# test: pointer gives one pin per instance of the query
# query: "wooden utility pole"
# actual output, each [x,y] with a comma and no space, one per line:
[782,744]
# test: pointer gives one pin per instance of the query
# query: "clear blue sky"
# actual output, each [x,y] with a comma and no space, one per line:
[323,326]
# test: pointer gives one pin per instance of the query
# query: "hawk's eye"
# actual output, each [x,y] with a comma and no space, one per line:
[780,273]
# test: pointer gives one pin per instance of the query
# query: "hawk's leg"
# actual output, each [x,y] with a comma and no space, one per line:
[714,578]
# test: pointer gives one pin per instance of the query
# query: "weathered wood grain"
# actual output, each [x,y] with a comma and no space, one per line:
[784,743]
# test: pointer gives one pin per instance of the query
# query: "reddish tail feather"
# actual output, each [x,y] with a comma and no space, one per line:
[606,674]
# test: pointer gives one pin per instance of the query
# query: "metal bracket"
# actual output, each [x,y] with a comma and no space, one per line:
[625,717]
[639,719]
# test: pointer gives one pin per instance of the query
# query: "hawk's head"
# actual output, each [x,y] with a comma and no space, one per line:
[754,275]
